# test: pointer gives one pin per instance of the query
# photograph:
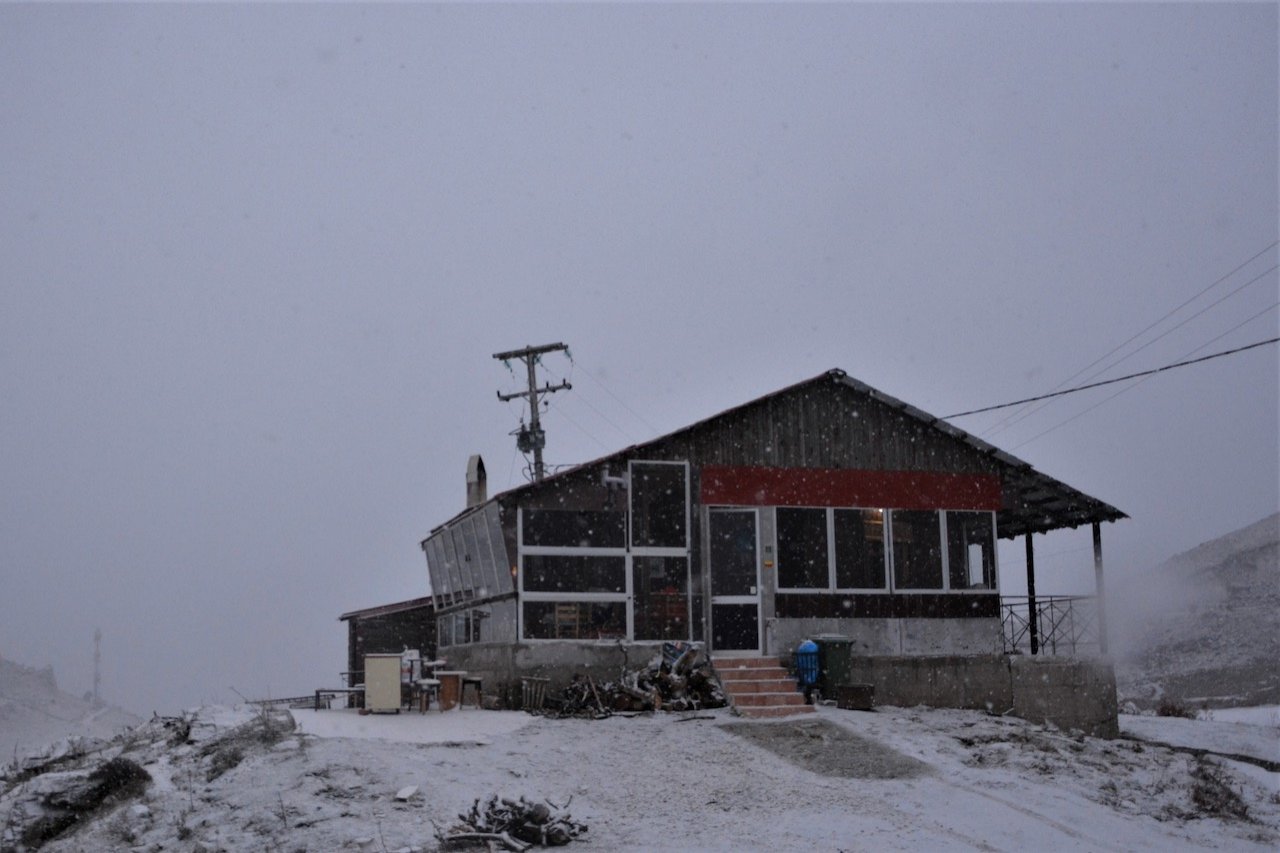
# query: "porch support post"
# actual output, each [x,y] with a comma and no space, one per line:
[1033,619]
[1099,587]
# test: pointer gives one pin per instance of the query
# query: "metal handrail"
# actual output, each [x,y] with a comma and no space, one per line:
[1067,624]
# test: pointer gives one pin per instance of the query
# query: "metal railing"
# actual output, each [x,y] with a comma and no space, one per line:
[1063,625]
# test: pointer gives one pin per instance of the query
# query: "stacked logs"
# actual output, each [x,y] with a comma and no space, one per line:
[677,680]
[515,824]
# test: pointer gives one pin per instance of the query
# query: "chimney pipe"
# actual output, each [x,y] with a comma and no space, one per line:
[477,483]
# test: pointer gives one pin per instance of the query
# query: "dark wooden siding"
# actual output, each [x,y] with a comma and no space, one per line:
[823,425]
[390,634]
[881,606]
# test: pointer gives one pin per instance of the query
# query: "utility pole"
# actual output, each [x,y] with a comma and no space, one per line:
[532,437]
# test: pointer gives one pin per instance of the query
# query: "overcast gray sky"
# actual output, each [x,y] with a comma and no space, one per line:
[256,258]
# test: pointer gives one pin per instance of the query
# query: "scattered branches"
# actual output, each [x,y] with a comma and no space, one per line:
[515,824]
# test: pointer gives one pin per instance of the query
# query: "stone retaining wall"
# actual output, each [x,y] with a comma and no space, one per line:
[1066,692]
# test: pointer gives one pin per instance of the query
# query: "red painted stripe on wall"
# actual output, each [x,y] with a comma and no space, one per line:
[743,486]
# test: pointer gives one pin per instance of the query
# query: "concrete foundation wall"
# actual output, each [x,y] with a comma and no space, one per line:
[1068,693]
[1071,694]
[928,637]
[502,665]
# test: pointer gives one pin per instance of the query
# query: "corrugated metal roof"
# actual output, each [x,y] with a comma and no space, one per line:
[387,609]
[1035,502]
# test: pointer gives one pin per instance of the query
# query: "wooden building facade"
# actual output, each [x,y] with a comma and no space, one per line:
[389,629]
[825,507]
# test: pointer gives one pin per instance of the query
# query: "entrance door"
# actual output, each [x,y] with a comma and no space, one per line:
[735,580]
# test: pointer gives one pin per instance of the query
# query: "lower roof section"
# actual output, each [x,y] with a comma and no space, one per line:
[387,609]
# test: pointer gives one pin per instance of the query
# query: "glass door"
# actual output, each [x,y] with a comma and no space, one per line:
[735,580]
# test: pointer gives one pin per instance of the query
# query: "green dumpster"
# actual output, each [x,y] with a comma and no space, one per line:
[835,663]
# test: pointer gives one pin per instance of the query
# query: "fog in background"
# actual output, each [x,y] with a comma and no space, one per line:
[255,260]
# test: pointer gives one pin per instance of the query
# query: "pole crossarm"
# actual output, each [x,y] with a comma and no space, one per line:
[533,438]
[528,351]
[545,389]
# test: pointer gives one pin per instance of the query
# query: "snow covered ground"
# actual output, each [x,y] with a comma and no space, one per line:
[669,782]
[1218,734]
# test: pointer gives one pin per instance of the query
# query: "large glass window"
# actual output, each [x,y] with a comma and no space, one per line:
[562,528]
[503,576]
[661,592]
[733,552]
[802,548]
[576,573]
[971,550]
[575,620]
[917,549]
[859,538]
[472,559]
[659,515]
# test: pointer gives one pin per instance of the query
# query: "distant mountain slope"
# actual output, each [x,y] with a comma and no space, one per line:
[1205,625]
[35,713]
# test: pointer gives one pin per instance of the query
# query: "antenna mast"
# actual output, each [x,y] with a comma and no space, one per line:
[532,437]
[97,665]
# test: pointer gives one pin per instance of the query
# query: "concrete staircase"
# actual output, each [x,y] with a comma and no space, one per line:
[759,687]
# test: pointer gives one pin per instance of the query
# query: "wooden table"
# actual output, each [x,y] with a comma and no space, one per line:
[450,688]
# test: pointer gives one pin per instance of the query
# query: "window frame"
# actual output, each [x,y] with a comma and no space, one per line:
[832,577]
[945,549]
[995,552]
[627,597]
[657,550]
[623,597]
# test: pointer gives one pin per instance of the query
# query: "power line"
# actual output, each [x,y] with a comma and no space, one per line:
[620,401]
[1147,344]
[999,425]
[581,428]
[1123,378]
[624,433]
[1108,399]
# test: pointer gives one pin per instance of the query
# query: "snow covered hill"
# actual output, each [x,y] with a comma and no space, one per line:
[35,713]
[1204,627]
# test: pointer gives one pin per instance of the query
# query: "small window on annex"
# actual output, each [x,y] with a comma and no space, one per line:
[460,627]
[859,536]
[661,590]
[917,549]
[659,514]
[802,548]
[971,550]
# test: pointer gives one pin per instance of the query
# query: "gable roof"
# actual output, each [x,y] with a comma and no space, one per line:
[1033,502]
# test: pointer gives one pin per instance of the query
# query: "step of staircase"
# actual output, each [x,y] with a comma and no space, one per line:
[760,687]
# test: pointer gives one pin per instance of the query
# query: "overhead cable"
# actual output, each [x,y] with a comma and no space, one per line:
[1009,420]
[1121,378]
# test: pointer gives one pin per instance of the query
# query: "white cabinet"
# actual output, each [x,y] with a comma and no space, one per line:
[382,683]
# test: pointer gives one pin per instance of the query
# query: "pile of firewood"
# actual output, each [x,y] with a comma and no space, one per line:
[677,680]
[515,824]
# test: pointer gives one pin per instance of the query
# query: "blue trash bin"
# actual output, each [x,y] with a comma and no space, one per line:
[807,668]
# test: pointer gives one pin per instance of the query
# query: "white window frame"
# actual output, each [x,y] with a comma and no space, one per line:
[831,586]
[663,551]
[623,597]
[942,545]
[946,553]
[626,597]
